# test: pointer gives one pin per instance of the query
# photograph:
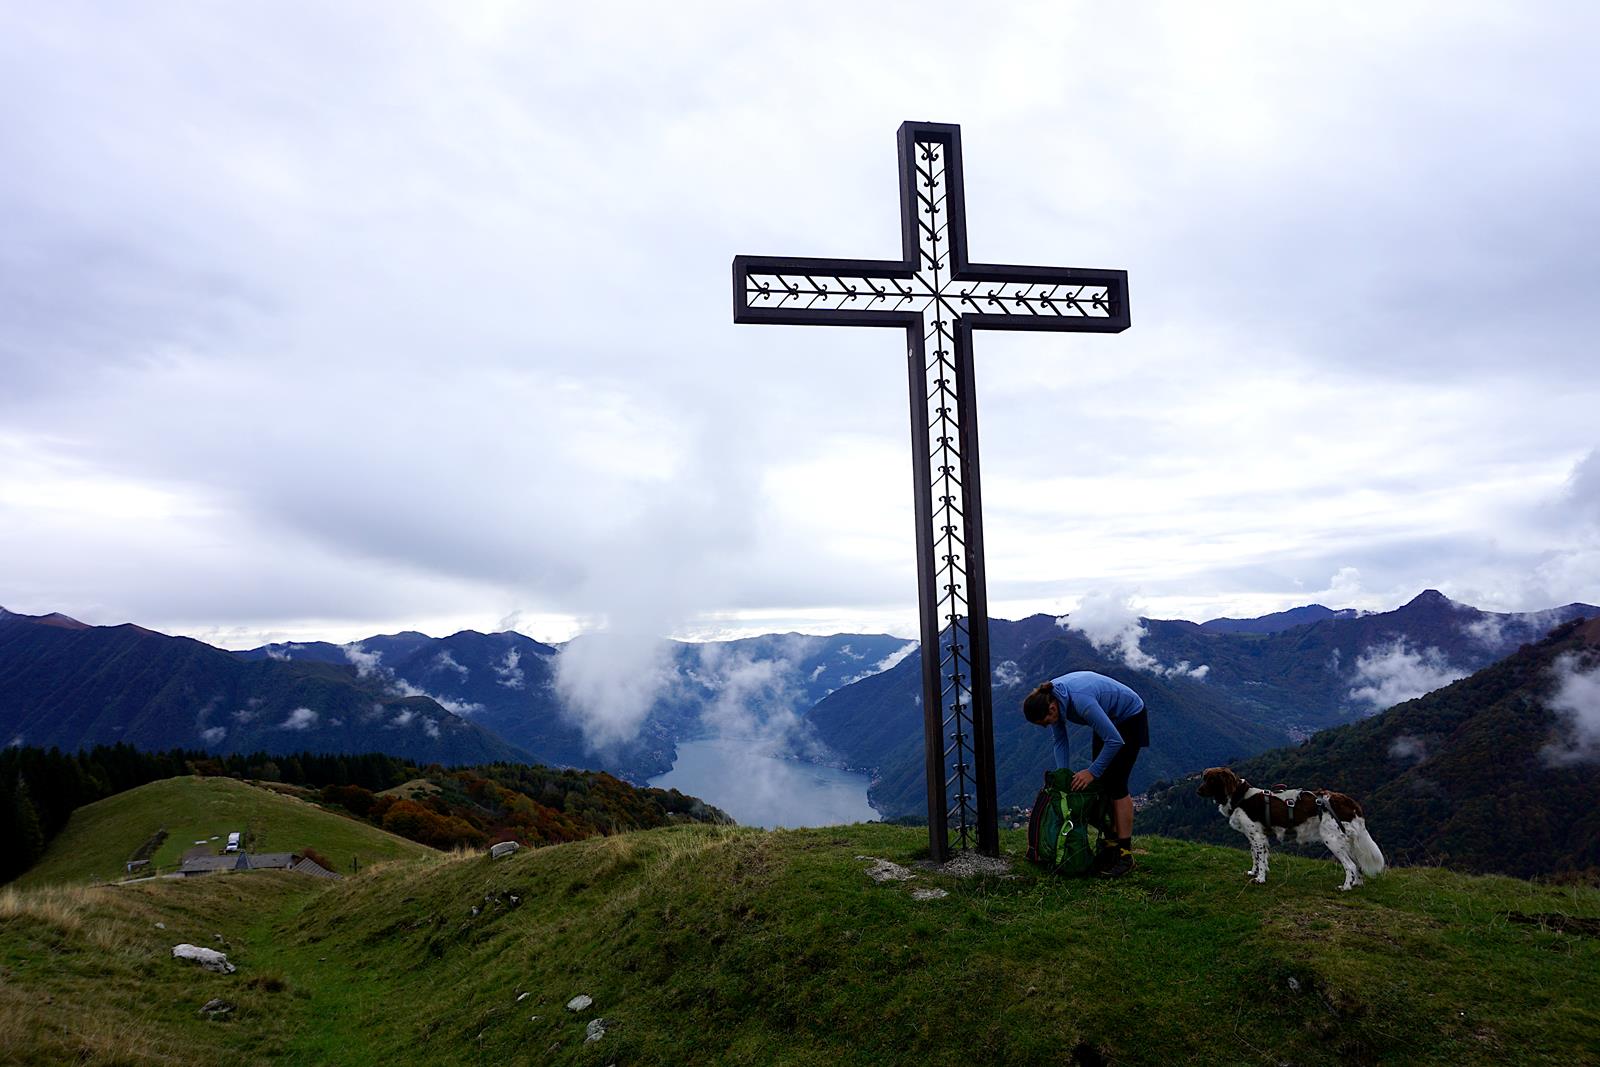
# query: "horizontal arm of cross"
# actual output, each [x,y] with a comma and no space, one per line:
[826,292]
[991,296]
[831,292]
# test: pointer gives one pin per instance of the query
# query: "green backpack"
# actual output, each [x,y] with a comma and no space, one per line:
[1058,829]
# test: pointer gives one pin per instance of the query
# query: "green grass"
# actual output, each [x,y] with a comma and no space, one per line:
[101,836]
[726,945]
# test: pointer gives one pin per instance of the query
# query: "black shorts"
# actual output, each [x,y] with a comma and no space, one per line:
[1135,735]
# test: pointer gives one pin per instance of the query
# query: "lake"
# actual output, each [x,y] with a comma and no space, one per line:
[762,790]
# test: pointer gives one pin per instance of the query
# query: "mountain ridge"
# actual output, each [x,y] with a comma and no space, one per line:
[1277,620]
[76,687]
[852,700]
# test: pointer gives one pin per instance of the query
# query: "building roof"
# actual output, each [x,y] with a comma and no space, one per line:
[204,864]
[315,869]
[268,861]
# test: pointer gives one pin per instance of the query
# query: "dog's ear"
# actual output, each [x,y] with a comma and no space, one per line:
[1223,781]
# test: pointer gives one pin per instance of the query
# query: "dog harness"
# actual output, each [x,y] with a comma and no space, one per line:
[1322,802]
[1268,796]
[1243,793]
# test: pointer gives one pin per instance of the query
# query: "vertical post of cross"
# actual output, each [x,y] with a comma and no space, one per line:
[938,297]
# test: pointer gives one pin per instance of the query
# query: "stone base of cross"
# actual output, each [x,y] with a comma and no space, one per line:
[938,297]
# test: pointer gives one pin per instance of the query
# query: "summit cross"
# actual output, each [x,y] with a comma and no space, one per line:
[939,297]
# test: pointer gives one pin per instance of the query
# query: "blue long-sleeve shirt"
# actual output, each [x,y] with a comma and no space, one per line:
[1098,702]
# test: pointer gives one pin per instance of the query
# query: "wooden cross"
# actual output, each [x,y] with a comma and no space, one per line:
[939,297]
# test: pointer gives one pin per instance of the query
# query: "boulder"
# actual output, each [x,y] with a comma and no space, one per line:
[215,1008]
[884,871]
[504,848]
[594,1031]
[580,1002]
[209,958]
[929,894]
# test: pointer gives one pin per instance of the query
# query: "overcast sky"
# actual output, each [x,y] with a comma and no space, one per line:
[324,320]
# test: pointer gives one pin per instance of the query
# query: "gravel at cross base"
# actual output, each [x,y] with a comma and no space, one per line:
[973,864]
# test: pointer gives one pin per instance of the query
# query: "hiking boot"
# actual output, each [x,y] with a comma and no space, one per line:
[1123,864]
[1106,857]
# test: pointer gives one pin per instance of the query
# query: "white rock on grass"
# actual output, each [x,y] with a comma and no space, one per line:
[580,1002]
[929,894]
[209,958]
[524,996]
[504,848]
[594,1031]
[884,871]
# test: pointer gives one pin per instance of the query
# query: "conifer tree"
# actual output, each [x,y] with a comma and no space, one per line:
[27,834]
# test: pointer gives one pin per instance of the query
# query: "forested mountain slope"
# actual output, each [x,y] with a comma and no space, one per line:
[73,686]
[1487,774]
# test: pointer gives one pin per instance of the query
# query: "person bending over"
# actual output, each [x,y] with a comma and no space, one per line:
[1121,728]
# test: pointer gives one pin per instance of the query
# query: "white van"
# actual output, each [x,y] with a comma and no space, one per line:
[233,842]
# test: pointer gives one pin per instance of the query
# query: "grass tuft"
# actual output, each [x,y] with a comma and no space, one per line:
[57,906]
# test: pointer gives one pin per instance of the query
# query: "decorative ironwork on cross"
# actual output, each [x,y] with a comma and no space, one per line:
[939,297]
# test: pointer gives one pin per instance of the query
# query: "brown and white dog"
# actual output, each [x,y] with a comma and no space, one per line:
[1294,815]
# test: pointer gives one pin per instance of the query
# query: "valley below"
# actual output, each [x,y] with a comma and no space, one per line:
[760,786]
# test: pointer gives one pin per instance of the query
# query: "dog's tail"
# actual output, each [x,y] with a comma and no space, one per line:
[1363,849]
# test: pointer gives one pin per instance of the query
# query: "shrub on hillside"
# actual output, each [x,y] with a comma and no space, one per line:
[352,798]
[316,857]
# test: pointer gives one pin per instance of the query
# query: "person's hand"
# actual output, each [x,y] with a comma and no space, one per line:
[1082,780]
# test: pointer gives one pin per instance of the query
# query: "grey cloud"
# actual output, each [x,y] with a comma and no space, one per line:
[1583,487]
[429,340]
[1388,674]
[444,661]
[1575,700]
[507,672]
[299,719]
[1112,624]
[1408,748]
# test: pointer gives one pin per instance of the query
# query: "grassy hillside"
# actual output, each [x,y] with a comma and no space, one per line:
[704,944]
[101,836]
